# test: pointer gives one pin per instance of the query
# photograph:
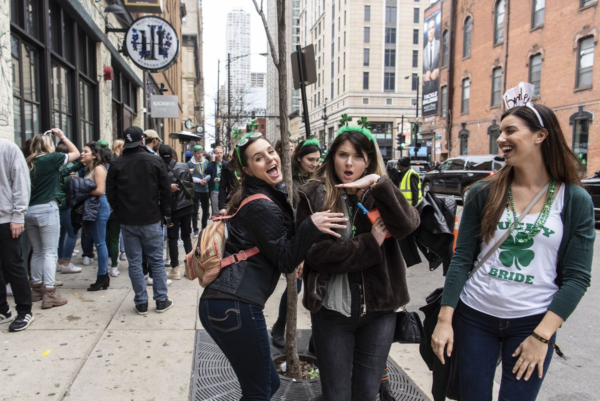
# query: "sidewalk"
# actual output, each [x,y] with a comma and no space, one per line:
[98,348]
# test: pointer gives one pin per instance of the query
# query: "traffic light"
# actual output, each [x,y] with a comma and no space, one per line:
[417,146]
[253,115]
[401,142]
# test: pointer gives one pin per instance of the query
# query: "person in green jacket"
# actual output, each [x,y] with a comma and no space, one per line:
[515,302]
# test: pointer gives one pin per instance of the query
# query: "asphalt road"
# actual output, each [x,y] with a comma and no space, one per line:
[575,378]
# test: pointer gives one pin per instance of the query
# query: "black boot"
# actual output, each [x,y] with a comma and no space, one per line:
[311,344]
[277,333]
[102,282]
[385,392]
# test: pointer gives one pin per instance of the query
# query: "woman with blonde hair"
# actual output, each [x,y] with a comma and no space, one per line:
[42,220]
[117,147]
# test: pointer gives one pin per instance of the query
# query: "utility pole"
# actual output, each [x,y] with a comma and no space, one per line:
[416,128]
[325,117]
[217,141]
[228,142]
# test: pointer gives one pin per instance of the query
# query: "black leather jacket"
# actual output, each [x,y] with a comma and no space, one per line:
[270,227]
[179,172]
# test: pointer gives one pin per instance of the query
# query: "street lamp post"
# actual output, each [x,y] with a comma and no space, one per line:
[325,117]
[416,126]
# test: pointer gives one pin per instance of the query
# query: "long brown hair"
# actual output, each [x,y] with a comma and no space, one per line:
[40,144]
[98,152]
[240,193]
[299,153]
[362,145]
[559,160]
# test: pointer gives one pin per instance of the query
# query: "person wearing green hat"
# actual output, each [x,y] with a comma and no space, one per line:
[103,143]
[198,166]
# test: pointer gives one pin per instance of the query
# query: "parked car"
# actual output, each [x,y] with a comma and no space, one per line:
[420,166]
[454,175]
[593,187]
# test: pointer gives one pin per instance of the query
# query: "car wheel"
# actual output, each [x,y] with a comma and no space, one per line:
[426,188]
[465,194]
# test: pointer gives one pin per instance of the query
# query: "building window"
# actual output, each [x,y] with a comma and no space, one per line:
[499,22]
[494,134]
[388,102]
[535,72]
[444,102]
[26,97]
[445,49]
[537,15]
[415,36]
[332,68]
[367,13]
[62,109]
[415,59]
[87,111]
[390,57]
[390,15]
[338,85]
[581,131]
[390,35]
[367,34]
[365,80]
[365,100]
[496,86]
[416,14]
[466,94]
[344,83]
[332,91]
[414,82]
[468,33]
[463,134]
[585,63]
[366,57]
[389,81]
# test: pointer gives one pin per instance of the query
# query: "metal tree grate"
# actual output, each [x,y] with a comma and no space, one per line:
[214,379]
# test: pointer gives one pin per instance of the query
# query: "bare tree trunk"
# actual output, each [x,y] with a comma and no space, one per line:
[280,59]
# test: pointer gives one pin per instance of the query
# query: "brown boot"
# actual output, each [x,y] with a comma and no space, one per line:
[37,291]
[52,298]
[174,274]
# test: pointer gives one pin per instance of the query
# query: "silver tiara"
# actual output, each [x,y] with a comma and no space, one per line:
[521,95]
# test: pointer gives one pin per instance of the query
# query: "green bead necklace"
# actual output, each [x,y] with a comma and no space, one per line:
[523,235]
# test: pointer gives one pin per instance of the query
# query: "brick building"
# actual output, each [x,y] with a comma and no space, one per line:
[491,46]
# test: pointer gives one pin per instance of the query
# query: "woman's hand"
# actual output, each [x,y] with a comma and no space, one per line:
[362,183]
[58,133]
[174,187]
[532,354]
[299,271]
[443,340]
[379,231]
[217,180]
[222,212]
[327,221]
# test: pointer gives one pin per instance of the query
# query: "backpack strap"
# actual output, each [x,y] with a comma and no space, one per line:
[244,203]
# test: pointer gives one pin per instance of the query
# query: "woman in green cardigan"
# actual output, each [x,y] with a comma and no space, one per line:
[514,304]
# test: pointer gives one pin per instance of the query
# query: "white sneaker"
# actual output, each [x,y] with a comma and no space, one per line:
[87,261]
[169,282]
[9,290]
[149,280]
[59,267]
[114,271]
[71,268]
[180,242]
[122,256]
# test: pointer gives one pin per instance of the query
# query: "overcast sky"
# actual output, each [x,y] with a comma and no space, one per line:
[214,14]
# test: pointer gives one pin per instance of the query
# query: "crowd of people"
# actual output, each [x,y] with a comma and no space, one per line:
[500,299]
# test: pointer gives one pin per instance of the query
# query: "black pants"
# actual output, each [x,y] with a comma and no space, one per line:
[12,272]
[201,198]
[183,222]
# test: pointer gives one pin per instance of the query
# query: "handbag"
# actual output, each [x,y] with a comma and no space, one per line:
[186,186]
[409,329]
[445,377]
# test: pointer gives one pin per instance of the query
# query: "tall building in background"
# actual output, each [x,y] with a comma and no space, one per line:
[258,80]
[238,46]
[192,74]
[293,39]
[364,50]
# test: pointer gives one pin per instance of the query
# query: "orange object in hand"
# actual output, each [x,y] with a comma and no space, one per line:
[373,215]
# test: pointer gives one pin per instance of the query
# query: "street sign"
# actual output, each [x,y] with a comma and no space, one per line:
[152,44]
[309,67]
[164,106]
[144,6]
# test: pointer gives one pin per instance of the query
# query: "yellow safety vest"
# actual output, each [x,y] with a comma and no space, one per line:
[405,186]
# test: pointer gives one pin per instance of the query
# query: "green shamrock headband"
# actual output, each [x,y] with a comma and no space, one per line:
[244,141]
[252,126]
[237,134]
[310,141]
[365,127]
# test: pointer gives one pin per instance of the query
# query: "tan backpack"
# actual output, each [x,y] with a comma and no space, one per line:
[206,260]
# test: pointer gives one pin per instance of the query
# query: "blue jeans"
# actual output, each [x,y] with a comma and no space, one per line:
[240,331]
[282,318]
[68,237]
[98,231]
[87,242]
[480,340]
[42,223]
[352,351]
[146,240]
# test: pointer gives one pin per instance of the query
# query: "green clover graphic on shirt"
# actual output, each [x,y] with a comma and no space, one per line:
[517,252]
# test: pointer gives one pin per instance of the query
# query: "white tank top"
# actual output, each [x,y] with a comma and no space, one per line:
[518,279]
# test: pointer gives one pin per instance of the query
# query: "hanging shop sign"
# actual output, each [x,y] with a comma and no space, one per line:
[144,6]
[152,44]
[164,106]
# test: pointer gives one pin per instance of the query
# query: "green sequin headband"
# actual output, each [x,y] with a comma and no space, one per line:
[310,141]
[242,142]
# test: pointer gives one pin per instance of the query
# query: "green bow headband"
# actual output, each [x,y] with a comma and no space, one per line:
[310,141]
[242,142]
[365,127]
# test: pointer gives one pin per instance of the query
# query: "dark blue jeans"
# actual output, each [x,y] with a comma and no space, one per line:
[352,351]
[480,340]
[240,331]
[68,237]
[282,318]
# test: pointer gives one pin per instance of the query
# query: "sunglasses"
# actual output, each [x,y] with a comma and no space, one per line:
[49,132]
[246,138]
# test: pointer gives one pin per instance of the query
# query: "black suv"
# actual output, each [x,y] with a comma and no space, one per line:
[420,166]
[454,175]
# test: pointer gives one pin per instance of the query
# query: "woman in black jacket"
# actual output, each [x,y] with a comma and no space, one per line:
[231,307]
